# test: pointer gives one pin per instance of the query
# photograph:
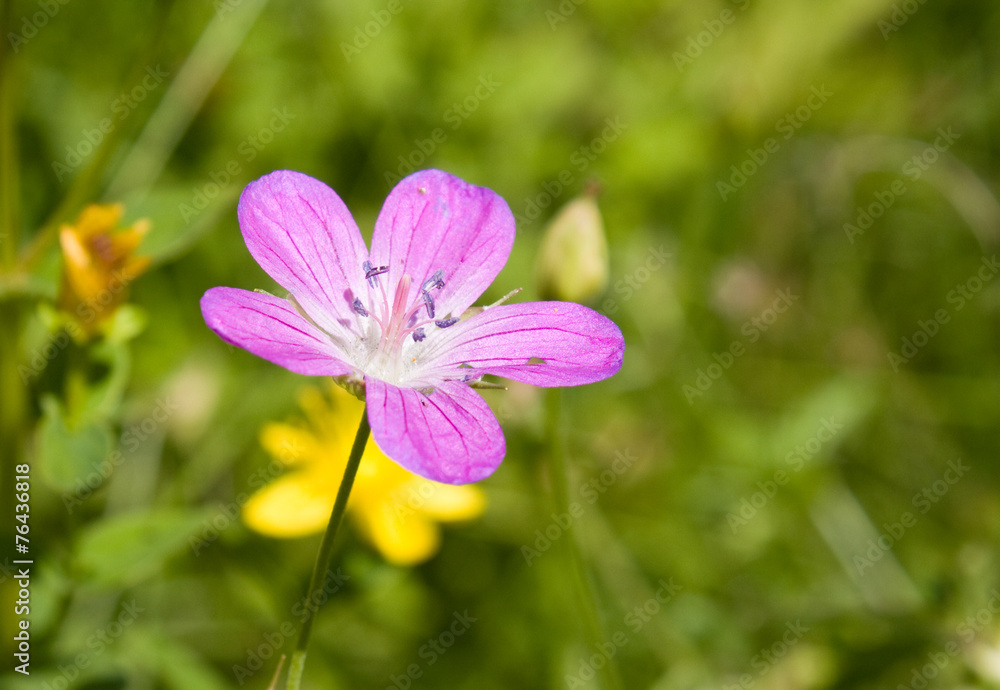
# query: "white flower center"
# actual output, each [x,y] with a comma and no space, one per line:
[392,344]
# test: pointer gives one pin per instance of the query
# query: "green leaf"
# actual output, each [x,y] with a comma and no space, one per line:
[129,548]
[104,397]
[127,322]
[178,666]
[181,216]
[69,455]
[826,417]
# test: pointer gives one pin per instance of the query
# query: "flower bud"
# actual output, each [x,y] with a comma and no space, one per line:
[573,258]
[99,262]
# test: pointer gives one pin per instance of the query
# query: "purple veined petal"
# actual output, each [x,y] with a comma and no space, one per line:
[449,436]
[271,328]
[541,343]
[303,236]
[434,221]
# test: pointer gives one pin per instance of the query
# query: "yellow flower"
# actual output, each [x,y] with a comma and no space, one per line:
[395,510]
[98,264]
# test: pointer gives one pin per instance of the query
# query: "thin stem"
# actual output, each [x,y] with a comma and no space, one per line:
[582,587]
[298,662]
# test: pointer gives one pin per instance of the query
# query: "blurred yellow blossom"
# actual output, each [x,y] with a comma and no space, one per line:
[395,510]
[98,264]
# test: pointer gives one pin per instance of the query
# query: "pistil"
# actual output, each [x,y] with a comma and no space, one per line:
[398,322]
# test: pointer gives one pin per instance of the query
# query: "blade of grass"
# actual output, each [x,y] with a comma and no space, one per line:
[186,94]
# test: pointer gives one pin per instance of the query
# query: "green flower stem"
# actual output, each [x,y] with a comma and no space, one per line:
[582,587]
[298,662]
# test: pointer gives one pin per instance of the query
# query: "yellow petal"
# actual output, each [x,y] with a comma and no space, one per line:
[403,537]
[449,503]
[292,506]
[125,242]
[321,414]
[72,247]
[134,267]
[85,279]
[97,218]
[290,444]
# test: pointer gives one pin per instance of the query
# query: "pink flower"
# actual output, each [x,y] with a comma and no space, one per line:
[396,319]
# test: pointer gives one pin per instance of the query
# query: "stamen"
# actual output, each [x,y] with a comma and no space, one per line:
[434,282]
[358,307]
[429,303]
[445,323]
[371,272]
[504,298]
[419,335]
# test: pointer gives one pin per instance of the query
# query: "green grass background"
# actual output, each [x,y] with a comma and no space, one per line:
[692,89]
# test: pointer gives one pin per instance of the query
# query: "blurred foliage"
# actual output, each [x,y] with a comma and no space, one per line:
[800,206]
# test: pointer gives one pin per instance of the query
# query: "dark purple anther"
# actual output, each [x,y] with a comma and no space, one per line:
[372,271]
[434,282]
[419,335]
[359,308]
[429,302]
[445,323]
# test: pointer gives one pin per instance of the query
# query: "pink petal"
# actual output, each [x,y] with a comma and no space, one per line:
[448,436]
[434,221]
[574,344]
[300,232]
[271,328]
